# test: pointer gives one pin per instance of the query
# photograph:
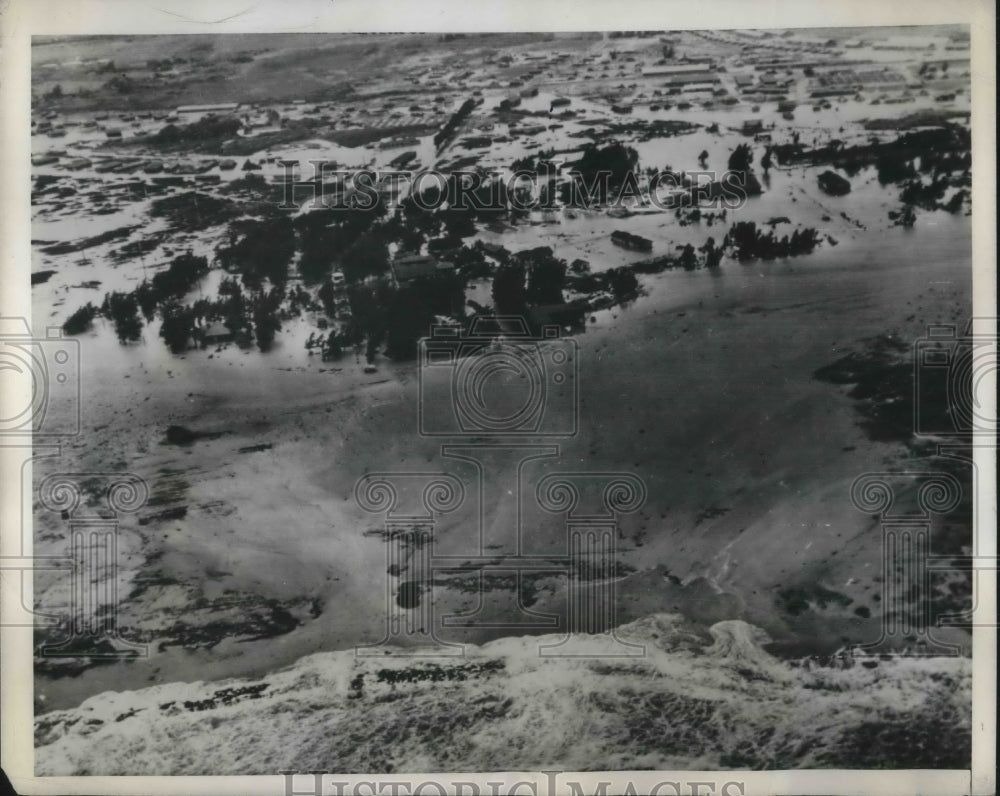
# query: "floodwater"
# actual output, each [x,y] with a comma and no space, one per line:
[702,386]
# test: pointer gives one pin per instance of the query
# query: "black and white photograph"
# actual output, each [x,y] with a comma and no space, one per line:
[508,400]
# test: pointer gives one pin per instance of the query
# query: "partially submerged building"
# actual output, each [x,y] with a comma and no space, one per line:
[419,266]
[629,241]
[833,184]
[217,333]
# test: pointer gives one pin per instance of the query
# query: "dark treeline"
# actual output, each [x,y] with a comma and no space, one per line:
[446,132]
[81,320]
[208,128]
[937,148]
[259,249]
[621,283]
[251,316]
[534,277]
[377,311]
[915,193]
[747,242]
[925,163]
[390,318]
[192,211]
[123,310]
[356,241]
[352,238]
[181,276]
[601,171]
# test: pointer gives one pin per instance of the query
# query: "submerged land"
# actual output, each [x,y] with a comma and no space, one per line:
[251,363]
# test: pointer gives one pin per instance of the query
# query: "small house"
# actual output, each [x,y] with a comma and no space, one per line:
[217,333]
[833,184]
[629,241]
[418,266]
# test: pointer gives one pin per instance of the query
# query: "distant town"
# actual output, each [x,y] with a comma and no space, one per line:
[583,108]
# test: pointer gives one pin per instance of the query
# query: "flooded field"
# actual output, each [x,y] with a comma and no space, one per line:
[250,361]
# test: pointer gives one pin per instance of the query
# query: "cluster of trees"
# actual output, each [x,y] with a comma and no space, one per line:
[741,158]
[177,326]
[318,233]
[446,132]
[353,240]
[181,276]
[467,203]
[123,310]
[765,161]
[621,282]
[530,278]
[713,253]
[396,317]
[367,256]
[264,306]
[947,144]
[740,162]
[689,259]
[253,304]
[536,163]
[81,320]
[938,162]
[693,215]
[357,241]
[324,235]
[903,218]
[191,211]
[750,243]
[232,307]
[259,249]
[892,169]
[936,152]
[929,196]
[708,255]
[616,160]
[127,309]
[208,128]
[471,260]
[331,346]
[254,317]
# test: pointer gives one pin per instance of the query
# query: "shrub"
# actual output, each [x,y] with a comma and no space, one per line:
[81,320]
